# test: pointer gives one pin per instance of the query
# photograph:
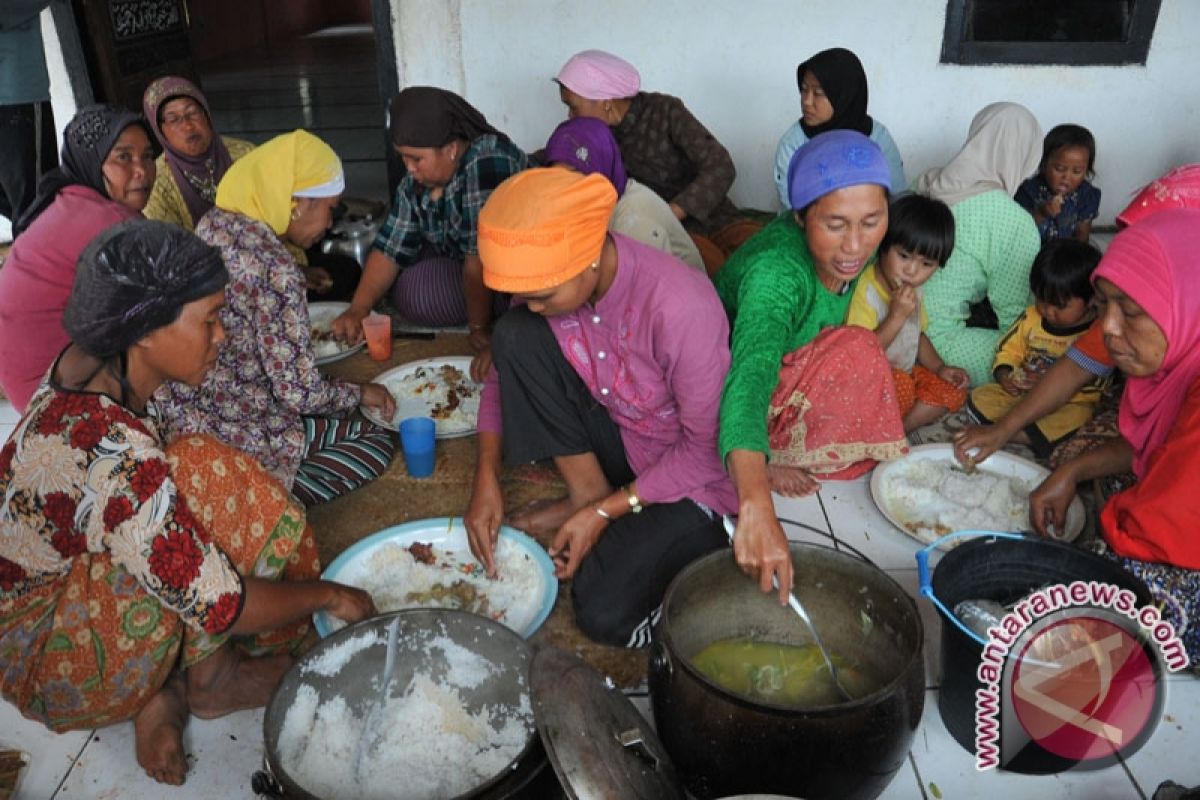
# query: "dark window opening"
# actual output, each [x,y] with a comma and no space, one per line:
[1070,32]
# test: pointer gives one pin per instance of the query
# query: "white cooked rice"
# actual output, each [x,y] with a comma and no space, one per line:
[933,499]
[322,321]
[425,384]
[391,573]
[328,347]
[336,656]
[422,744]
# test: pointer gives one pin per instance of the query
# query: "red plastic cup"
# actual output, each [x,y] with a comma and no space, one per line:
[377,328]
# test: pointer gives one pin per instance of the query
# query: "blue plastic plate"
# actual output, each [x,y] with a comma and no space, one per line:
[448,535]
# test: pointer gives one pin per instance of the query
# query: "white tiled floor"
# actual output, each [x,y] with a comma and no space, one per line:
[226,752]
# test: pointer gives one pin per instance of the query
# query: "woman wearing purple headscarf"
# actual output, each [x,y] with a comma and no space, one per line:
[587,145]
[806,396]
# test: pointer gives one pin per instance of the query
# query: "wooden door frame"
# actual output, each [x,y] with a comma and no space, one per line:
[389,81]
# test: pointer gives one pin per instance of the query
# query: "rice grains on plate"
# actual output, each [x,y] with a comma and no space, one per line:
[396,578]
[932,498]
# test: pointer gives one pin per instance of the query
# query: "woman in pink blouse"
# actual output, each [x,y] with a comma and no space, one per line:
[613,368]
[125,569]
[106,174]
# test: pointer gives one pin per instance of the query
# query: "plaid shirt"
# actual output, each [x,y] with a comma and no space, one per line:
[669,150]
[448,224]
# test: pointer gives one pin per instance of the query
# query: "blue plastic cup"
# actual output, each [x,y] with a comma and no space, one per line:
[417,440]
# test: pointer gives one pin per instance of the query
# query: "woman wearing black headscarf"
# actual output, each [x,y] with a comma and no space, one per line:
[426,252]
[833,96]
[126,567]
[106,174]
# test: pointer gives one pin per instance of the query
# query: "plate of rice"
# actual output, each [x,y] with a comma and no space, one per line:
[428,564]
[327,348]
[927,494]
[440,388]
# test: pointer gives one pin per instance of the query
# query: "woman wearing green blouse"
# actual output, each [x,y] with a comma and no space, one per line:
[804,392]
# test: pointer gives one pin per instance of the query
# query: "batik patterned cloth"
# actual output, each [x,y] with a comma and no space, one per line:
[665,147]
[106,572]
[266,377]
[834,411]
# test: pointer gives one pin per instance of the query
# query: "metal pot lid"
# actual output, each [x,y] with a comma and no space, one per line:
[599,745]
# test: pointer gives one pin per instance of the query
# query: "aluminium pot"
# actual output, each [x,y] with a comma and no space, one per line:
[723,743]
[355,224]
[357,683]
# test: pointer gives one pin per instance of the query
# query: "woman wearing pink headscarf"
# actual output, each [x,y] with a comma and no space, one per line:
[1150,315]
[1087,358]
[664,146]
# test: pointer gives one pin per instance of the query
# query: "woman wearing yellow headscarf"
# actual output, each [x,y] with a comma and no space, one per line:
[265,395]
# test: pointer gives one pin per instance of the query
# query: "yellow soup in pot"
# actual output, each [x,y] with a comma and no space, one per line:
[780,674]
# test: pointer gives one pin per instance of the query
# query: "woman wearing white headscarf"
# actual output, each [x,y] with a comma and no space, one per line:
[995,240]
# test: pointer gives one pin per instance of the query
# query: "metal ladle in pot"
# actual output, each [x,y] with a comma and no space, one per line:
[389,666]
[798,607]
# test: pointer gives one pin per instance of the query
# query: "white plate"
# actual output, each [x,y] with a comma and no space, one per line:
[321,316]
[418,407]
[448,535]
[999,463]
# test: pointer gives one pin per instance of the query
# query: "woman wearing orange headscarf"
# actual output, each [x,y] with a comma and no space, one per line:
[613,368]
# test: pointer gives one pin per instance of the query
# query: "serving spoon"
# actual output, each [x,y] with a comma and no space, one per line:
[801,612]
[389,666]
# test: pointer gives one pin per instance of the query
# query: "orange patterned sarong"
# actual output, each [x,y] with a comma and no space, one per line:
[834,411]
[92,647]
[924,385]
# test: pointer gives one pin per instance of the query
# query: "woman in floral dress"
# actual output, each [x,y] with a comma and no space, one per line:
[137,582]
[265,395]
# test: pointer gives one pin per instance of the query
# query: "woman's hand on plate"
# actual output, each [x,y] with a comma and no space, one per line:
[379,399]
[347,326]
[348,603]
[975,443]
[1048,503]
[482,520]
[480,365]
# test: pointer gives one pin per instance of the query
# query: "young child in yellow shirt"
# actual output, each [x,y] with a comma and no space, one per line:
[887,300]
[1061,280]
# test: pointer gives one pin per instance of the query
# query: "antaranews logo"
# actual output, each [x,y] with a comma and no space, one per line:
[1071,677]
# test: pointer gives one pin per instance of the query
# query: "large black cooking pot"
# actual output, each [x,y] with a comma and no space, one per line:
[1005,569]
[725,744]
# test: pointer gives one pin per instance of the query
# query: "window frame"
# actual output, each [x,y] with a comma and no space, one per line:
[958,50]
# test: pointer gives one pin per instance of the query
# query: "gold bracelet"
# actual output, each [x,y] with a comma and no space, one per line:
[596,507]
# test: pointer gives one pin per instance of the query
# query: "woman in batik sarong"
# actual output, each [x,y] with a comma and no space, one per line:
[805,396]
[138,582]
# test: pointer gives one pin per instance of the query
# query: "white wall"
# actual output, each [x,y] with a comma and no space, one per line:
[62,98]
[733,63]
